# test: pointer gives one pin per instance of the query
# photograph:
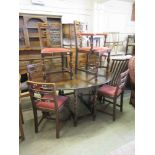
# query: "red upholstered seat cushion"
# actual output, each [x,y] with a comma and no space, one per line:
[50,105]
[107,90]
[52,50]
[95,49]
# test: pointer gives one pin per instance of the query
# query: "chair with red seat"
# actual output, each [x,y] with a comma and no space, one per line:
[112,92]
[44,99]
[51,48]
[84,45]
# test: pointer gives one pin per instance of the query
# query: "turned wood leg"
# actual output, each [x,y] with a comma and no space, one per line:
[43,69]
[108,61]
[87,61]
[35,119]
[114,109]
[21,114]
[121,101]
[75,107]
[71,66]
[62,62]
[57,124]
[21,127]
[76,61]
[94,105]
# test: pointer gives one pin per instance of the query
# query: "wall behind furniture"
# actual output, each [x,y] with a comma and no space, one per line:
[69,9]
[100,15]
[113,16]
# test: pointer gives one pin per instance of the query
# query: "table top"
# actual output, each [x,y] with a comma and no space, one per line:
[79,81]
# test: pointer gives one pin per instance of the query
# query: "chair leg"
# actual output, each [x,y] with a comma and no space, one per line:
[114,108]
[57,124]
[35,119]
[21,114]
[87,57]
[21,127]
[100,61]
[108,61]
[103,100]
[62,62]
[121,102]
[94,105]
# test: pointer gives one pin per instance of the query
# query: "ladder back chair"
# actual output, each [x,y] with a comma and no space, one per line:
[110,93]
[118,65]
[130,45]
[44,99]
[84,44]
[113,41]
[51,48]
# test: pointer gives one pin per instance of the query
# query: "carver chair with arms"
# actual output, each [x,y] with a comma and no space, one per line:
[44,99]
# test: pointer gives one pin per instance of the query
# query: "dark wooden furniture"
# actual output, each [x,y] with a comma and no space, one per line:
[29,42]
[130,46]
[112,92]
[81,85]
[21,120]
[46,36]
[131,66]
[22,135]
[28,30]
[84,44]
[113,41]
[44,98]
[118,64]
[68,35]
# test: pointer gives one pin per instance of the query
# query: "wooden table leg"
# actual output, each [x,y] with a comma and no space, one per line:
[75,106]
[94,103]
[71,66]
[22,137]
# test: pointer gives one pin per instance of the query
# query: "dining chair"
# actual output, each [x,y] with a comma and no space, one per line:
[21,120]
[52,49]
[118,64]
[44,98]
[83,46]
[130,45]
[110,93]
[131,66]
[113,41]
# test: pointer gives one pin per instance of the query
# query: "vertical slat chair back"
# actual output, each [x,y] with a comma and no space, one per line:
[77,31]
[122,81]
[44,35]
[44,92]
[80,41]
[117,67]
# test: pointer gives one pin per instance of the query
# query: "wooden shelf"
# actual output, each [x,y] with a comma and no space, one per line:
[28,30]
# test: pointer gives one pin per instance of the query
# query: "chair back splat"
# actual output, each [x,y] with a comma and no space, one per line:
[41,92]
[112,92]
[87,51]
[117,67]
